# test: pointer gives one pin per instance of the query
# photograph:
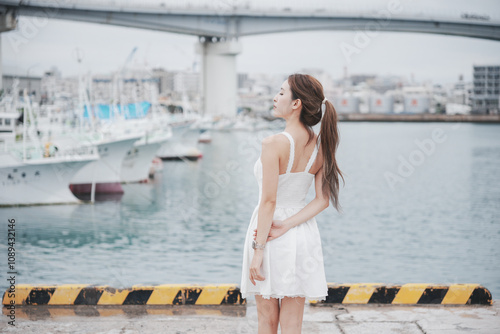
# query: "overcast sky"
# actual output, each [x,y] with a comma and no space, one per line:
[428,57]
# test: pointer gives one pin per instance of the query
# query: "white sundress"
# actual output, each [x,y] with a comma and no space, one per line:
[293,263]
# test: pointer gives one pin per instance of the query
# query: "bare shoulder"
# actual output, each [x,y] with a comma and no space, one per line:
[274,142]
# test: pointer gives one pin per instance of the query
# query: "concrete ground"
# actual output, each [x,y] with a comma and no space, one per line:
[345,319]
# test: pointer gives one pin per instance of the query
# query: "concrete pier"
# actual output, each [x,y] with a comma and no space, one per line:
[358,117]
[341,319]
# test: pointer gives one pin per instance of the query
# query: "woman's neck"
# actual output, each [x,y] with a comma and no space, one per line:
[293,125]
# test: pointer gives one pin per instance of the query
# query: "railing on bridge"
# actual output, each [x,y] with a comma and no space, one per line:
[321,8]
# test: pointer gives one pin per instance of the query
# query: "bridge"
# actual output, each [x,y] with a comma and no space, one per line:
[219,26]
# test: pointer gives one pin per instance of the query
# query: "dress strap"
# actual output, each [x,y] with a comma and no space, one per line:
[292,152]
[312,158]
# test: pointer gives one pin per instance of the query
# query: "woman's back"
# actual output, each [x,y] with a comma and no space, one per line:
[292,185]
[302,152]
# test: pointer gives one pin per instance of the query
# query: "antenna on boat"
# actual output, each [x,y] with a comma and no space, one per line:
[32,135]
[78,54]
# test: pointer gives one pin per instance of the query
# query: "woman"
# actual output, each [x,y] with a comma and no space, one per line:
[283,260]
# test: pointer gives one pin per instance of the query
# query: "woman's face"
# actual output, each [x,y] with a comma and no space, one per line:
[283,102]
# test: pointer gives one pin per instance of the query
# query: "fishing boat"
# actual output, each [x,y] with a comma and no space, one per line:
[28,173]
[39,181]
[104,175]
[183,144]
[136,165]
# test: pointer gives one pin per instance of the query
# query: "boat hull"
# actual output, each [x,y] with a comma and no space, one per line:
[45,182]
[137,164]
[182,145]
[106,171]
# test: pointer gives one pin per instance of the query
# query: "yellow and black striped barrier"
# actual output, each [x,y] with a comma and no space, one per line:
[229,294]
[82,294]
[411,293]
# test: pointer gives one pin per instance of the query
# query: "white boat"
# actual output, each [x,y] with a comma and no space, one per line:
[205,137]
[457,109]
[156,166]
[105,172]
[135,162]
[223,124]
[39,181]
[138,161]
[8,126]
[183,144]
[28,175]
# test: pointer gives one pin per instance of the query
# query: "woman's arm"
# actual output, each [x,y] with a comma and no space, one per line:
[270,175]
[270,171]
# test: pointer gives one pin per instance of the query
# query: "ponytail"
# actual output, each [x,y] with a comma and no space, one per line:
[310,91]
[329,135]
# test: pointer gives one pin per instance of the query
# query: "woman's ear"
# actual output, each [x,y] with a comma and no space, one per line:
[297,104]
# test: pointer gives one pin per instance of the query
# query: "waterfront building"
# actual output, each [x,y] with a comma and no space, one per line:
[29,82]
[381,104]
[346,104]
[486,89]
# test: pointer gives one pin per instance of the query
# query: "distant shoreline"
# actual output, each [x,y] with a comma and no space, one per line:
[358,117]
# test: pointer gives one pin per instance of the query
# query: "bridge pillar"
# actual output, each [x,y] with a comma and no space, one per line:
[1,65]
[218,77]
[8,21]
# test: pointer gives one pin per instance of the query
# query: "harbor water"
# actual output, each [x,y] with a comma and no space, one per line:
[421,203]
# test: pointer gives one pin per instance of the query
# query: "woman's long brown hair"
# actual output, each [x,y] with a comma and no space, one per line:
[310,91]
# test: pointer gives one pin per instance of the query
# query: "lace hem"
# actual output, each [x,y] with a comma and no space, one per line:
[308,298]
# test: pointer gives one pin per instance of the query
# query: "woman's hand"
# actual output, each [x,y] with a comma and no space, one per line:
[255,266]
[278,228]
